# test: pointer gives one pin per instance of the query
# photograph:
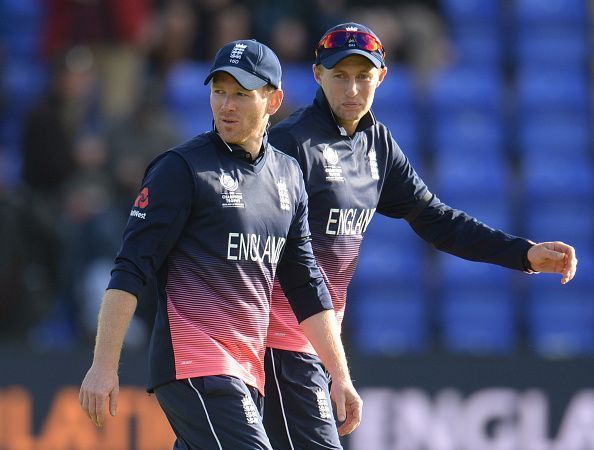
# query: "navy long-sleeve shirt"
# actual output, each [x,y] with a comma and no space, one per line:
[348,179]
[215,229]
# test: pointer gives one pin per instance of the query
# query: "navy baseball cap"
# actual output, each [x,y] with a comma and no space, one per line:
[348,39]
[251,63]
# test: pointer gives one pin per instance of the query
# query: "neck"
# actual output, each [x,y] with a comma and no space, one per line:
[350,126]
[253,147]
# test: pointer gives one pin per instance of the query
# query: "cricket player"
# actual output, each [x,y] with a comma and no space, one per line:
[353,168]
[217,219]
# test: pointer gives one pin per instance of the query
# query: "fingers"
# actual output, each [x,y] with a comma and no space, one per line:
[554,255]
[99,412]
[354,414]
[93,395]
[113,401]
[570,264]
[84,402]
[341,413]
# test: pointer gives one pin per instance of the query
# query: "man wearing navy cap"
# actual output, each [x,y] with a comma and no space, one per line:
[353,168]
[217,219]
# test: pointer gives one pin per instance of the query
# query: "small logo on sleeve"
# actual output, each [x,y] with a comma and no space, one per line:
[141,202]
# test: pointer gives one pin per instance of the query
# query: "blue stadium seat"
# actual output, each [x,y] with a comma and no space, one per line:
[395,106]
[471,175]
[557,177]
[561,321]
[187,99]
[466,88]
[192,121]
[459,274]
[11,130]
[23,9]
[478,45]
[478,320]
[542,89]
[404,126]
[473,133]
[473,11]
[391,252]
[21,27]
[389,322]
[23,45]
[537,12]
[23,82]
[560,219]
[555,135]
[564,48]
[299,85]
[184,87]
[397,91]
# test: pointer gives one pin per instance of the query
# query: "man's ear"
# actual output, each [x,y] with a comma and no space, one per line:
[382,74]
[317,73]
[275,101]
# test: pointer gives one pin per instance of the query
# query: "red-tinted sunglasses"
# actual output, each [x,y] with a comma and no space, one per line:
[363,40]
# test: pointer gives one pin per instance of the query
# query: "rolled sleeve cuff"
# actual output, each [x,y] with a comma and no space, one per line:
[126,281]
[303,305]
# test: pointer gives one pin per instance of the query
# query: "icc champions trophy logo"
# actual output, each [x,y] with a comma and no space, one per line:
[330,155]
[228,182]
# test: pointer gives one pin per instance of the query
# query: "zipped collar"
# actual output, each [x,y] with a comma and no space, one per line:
[322,105]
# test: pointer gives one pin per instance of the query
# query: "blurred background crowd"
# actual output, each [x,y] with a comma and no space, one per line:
[490,99]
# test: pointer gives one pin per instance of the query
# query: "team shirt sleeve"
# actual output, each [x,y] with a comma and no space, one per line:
[405,195]
[168,189]
[297,271]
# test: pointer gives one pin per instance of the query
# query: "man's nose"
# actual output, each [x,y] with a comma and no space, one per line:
[228,104]
[351,87]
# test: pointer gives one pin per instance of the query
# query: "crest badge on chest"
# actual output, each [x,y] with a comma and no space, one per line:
[332,165]
[231,197]
[373,164]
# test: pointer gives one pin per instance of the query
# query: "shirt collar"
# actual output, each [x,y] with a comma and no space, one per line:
[237,151]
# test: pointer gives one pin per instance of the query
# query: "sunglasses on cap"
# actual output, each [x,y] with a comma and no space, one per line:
[339,38]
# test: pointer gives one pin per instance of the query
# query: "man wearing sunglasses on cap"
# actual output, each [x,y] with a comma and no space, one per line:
[218,218]
[353,168]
